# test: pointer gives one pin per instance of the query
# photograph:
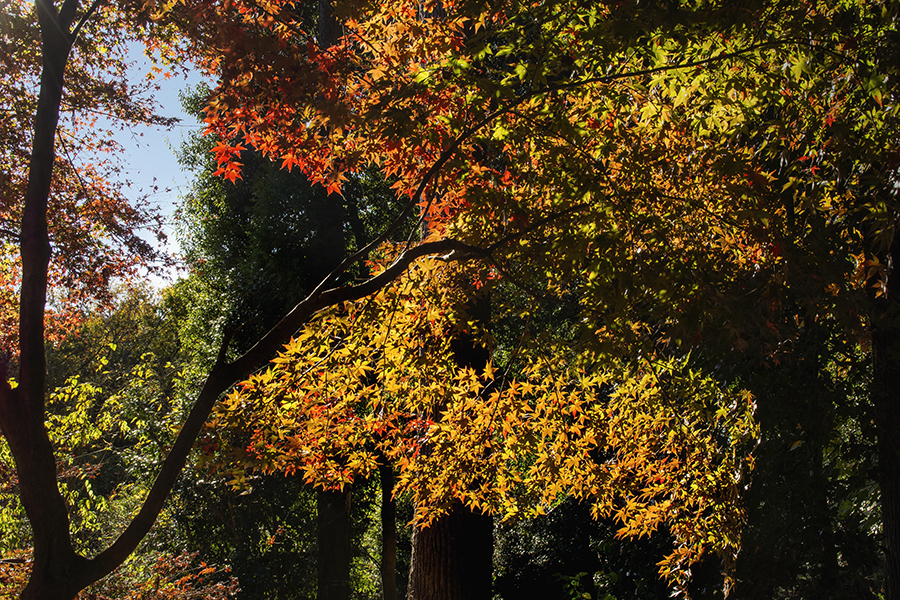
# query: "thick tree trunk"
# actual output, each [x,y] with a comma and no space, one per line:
[334,545]
[325,252]
[388,534]
[886,399]
[452,559]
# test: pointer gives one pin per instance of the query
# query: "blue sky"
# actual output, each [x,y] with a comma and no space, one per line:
[149,152]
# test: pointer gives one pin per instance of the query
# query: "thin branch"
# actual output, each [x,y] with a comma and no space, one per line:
[153,120]
[534,226]
[84,19]
[65,149]
[664,68]
[536,294]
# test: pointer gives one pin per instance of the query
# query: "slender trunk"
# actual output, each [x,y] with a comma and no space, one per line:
[886,399]
[55,572]
[334,544]
[388,533]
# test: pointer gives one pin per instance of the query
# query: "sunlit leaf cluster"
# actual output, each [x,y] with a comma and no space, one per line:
[652,443]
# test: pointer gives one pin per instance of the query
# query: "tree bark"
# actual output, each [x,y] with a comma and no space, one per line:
[334,544]
[388,533]
[326,251]
[886,400]
[452,559]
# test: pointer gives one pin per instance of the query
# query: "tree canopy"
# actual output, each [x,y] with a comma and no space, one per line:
[96,231]
[666,169]
[697,190]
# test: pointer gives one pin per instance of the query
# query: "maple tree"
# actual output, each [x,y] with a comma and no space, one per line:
[94,229]
[676,166]
[110,425]
[656,167]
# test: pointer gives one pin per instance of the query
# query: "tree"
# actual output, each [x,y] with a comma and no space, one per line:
[513,438]
[94,230]
[695,178]
[813,501]
[452,557]
[58,570]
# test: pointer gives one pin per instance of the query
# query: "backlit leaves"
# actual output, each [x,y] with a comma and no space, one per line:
[671,176]
[93,226]
[652,443]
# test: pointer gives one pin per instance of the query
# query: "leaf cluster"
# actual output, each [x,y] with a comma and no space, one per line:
[650,444]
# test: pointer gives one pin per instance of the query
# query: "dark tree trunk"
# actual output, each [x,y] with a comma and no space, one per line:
[334,545]
[58,572]
[452,559]
[55,572]
[886,400]
[325,252]
[329,27]
[388,534]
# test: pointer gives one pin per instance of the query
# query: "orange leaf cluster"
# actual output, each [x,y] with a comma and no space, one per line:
[651,444]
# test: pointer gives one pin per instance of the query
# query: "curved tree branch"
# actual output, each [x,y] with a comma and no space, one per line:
[224,375]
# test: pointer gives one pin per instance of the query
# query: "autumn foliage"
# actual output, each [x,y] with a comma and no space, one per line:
[651,443]
[178,577]
[622,160]
[95,227]
[654,199]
